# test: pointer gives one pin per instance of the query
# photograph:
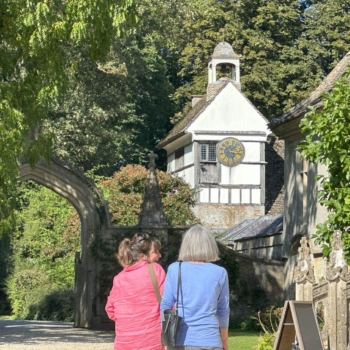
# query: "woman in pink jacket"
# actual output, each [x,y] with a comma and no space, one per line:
[132,302]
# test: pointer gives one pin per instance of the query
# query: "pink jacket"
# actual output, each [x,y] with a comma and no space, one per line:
[133,305]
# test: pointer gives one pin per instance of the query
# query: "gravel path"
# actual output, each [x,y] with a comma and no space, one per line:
[42,335]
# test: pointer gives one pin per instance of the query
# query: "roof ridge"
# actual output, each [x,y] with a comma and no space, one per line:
[315,97]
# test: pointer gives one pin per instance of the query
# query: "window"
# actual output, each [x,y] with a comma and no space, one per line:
[179,158]
[301,199]
[208,163]
[303,173]
[208,152]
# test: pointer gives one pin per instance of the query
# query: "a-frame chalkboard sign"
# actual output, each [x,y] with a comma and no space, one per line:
[298,329]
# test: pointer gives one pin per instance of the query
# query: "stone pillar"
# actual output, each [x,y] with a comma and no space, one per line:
[152,217]
[337,316]
[304,276]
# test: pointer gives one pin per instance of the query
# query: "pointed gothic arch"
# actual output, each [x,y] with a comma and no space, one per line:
[86,198]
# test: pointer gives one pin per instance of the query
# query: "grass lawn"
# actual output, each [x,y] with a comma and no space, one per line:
[242,340]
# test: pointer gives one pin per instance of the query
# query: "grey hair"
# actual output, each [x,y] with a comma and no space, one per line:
[198,244]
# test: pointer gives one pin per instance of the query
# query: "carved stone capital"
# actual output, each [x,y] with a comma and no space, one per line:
[337,267]
[305,269]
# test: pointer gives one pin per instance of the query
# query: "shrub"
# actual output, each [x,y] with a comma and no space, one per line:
[125,193]
[22,283]
[33,297]
[43,246]
[55,306]
[266,341]
[268,320]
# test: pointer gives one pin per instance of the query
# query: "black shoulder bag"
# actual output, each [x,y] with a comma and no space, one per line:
[172,320]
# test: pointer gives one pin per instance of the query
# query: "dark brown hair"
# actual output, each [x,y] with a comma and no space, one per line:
[130,249]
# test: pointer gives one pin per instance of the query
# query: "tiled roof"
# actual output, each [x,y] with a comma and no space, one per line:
[314,99]
[249,228]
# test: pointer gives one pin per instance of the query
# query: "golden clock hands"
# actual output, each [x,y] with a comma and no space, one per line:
[236,151]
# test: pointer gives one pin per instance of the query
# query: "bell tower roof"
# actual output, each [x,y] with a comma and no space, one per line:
[224,56]
[224,50]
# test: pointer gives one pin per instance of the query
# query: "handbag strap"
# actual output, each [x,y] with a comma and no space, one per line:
[154,282]
[178,285]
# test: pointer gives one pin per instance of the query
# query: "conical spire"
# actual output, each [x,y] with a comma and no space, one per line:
[152,213]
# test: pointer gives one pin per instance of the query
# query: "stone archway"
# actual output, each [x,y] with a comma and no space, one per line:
[85,197]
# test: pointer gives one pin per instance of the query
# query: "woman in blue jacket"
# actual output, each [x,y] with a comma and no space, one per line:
[204,293]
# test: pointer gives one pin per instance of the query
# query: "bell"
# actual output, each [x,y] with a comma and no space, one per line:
[223,68]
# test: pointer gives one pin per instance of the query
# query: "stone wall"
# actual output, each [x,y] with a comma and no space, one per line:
[274,176]
[258,283]
[254,283]
[217,216]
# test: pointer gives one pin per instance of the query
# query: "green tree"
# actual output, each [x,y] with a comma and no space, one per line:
[125,192]
[327,32]
[276,67]
[34,37]
[120,107]
[5,268]
[327,142]
[43,247]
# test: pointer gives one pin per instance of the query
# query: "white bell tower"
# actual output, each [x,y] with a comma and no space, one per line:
[224,54]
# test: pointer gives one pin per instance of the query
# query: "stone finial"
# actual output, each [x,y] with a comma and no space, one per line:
[152,161]
[304,270]
[152,212]
[337,266]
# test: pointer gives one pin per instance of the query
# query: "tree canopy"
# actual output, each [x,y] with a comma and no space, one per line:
[328,142]
[276,67]
[71,85]
[34,39]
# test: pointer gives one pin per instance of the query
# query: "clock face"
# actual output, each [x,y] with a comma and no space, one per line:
[230,152]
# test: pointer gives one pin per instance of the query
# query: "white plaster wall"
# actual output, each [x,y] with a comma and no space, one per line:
[188,175]
[201,135]
[230,110]
[246,195]
[235,196]
[256,196]
[204,195]
[252,151]
[224,195]
[171,163]
[243,174]
[214,195]
[188,157]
